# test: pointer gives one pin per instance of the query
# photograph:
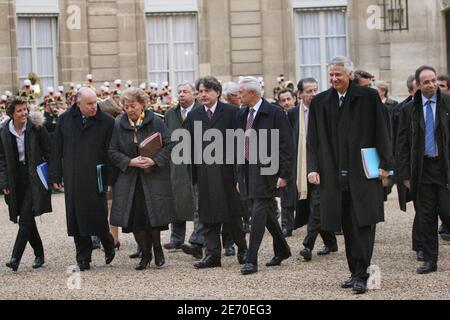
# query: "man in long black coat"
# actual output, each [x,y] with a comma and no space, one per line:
[342,121]
[183,192]
[218,199]
[254,183]
[81,143]
[424,160]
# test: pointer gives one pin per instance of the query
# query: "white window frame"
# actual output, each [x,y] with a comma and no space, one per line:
[324,83]
[25,7]
[33,47]
[171,71]
[164,6]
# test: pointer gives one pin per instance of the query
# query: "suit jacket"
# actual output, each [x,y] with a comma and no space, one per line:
[217,195]
[252,184]
[411,140]
[361,125]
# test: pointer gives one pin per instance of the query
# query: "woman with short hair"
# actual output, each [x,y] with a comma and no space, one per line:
[24,145]
[142,202]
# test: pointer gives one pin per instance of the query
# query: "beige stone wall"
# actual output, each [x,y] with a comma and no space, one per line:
[235,37]
[8,57]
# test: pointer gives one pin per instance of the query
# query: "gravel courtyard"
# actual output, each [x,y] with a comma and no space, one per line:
[294,280]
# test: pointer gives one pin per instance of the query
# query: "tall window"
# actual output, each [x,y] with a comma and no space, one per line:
[321,36]
[36,43]
[172,48]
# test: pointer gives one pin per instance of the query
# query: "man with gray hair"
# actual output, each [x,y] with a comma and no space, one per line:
[343,120]
[231,93]
[183,192]
[259,187]
[80,145]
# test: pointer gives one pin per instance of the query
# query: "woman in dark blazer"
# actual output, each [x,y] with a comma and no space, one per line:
[142,202]
[24,145]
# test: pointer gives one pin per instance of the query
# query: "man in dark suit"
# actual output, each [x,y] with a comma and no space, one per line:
[403,193]
[424,160]
[307,195]
[218,200]
[184,194]
[288,198]
[254,183]
[80,144]
[342,120]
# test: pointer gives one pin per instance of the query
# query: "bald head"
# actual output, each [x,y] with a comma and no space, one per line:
[87,102]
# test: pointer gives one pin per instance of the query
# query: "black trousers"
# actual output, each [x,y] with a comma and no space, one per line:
[287,218]
[314,225]
[431,199]
[212,234]
[359,241]
[83,245]
[416,234]
[263,215]
[28,231]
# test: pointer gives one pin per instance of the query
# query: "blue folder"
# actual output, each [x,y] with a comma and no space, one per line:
[371,163]
[42,171]
[101,178]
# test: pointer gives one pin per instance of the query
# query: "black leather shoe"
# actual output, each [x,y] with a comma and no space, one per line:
[159,256]
[242,255]
[230,252]
[287,233]
[109,257]
[327,250]
[306,253]
[136,255]
[195,251]
[276,261]
[208,262]
[420,256]
[347,284]
[427,267]
[173,246]
[249,268]
[13,264]
[359,287]
[38,262]
[143,264]
[84,266]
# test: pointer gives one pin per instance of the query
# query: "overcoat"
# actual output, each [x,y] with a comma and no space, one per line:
[77,151]
[37,151]
[362,125]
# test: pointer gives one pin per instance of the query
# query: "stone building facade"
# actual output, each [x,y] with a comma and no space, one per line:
[141,40]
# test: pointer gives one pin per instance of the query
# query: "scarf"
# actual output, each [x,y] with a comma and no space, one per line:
[136,125]
[302,182]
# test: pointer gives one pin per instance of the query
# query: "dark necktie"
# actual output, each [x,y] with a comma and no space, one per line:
[250,120]
[210,114]
[341,101]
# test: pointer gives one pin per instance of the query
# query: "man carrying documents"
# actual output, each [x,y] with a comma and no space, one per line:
[80,145]
[344,120]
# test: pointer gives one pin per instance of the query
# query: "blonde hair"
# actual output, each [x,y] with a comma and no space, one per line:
[134,94]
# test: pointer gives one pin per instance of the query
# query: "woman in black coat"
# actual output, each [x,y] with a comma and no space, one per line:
[24,145]
[142,202]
